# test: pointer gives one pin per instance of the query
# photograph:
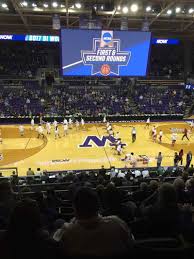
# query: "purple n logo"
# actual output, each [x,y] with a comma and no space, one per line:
[90,141]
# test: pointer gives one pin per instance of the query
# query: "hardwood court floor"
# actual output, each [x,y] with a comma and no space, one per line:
[66,153]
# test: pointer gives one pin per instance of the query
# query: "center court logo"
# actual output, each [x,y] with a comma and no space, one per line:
[94,141]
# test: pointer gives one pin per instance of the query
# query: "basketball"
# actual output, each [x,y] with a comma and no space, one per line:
[105,69]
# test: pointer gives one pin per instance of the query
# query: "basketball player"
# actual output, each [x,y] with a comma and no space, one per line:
[133,134]
[111,133]
[1,140]
[154,135]
[32,123]
[77,124]
[57,132]
[192,125]
[21,130]
[117,135]
[109,128]
[82,123]
[185,134]
[153,129]
[107,124]
[1,156]
[70,123]
[48,128]
[160,136]
[119,149]
[41,120]
[174,138]
[40,131]
[127,157]
[65,128]
[55,123]
[148,123]
[104,119]
[65,121]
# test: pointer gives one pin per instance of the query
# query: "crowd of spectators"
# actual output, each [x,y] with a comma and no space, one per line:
[96,214]
[22,60]
[88,101]
[151,100]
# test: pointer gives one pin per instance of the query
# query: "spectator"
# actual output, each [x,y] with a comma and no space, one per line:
[89,233]
[163,216]
[25,229]
[7,202]
[188,159]
[176,159]
[181,153]
[159,159]
[30,172]
[179,186]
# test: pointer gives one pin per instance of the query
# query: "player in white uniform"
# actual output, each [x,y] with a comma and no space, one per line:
[21,130]
[70,123]
[174,138]
[82,123]
[32,123]
[192,125]
[1,139]
[55,123]
[117,135]
[119,149]
[65,121]
[48,128]
[154,135]
[40,131]
[77,124]
[148,122]
[65,128]
[57,132]
[104,119]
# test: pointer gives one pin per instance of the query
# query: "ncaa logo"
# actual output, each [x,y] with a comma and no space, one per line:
[107,37]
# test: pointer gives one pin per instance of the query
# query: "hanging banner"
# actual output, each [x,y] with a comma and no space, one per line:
[56,22]
[124,23]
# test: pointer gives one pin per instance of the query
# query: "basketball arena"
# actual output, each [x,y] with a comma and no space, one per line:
[96,128]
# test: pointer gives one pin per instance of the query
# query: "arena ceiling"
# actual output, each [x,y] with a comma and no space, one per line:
[165,18]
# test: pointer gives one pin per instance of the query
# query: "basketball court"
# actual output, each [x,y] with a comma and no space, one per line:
[89,148]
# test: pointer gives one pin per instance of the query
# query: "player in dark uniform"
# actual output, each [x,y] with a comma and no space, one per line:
[185,134]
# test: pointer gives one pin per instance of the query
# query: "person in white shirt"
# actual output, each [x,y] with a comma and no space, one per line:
[32,123]
[65,121]
[153,129]
[82,123]
[148,122]
[109,128]
[70,123]
[55,123]
[117,135]
[104,119]
[119,149]
[40,131]
[133,160]
[160,136]
[133,134]
[21,130]
[57,132]
[48,128]
[174,138]
[65,128]
[77,124]
[154,135]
